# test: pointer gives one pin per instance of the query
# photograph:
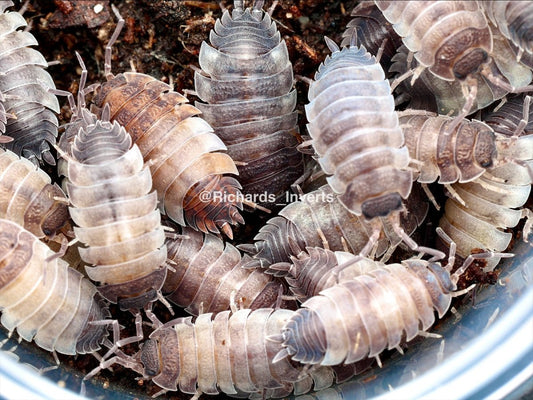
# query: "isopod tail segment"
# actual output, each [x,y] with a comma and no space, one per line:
[187,160]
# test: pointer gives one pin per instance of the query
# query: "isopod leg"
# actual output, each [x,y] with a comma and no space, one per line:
[109,46]
[436,254]
[470,88]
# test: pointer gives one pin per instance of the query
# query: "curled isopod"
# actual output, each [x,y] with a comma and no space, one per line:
[208,276]
[318,219]
[114,209]
[228,352]
[316,269]
[454,41]
[29,198]
[246,83]
[25,85]
[44,299]
[493,202]
[372,312]
[186,158]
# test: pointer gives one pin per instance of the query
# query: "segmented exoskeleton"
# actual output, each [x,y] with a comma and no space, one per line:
[25,85]
[493,201]
[208,276]
[357,137]
[454,41]
[371,30]
[364,316]
[320,220]
[45,300]
[246,81]
[448,95]
[316,269]
[228,352]
[115,211]
[185,156]
[28,197]
[458,155]
[514,20]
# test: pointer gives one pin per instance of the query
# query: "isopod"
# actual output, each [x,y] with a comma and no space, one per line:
[246,83]
[355,132]
[448,95]
[228,353]
[208,276]
[185,156]
[114,209]
[44,299]
[318,219]
[461,154]
[29,198]
[453,40]
[493,201]
[372,312]
[26,85]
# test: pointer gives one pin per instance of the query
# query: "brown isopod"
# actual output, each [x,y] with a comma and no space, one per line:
[44,299]
[29,198]
[492,202]
[25,86]
[461,154]
[185,156]
[208,277]
[318,219]
[246,82]
[453,40]
[446,97]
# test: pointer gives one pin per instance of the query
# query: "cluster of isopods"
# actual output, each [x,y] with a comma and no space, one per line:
[152,188]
